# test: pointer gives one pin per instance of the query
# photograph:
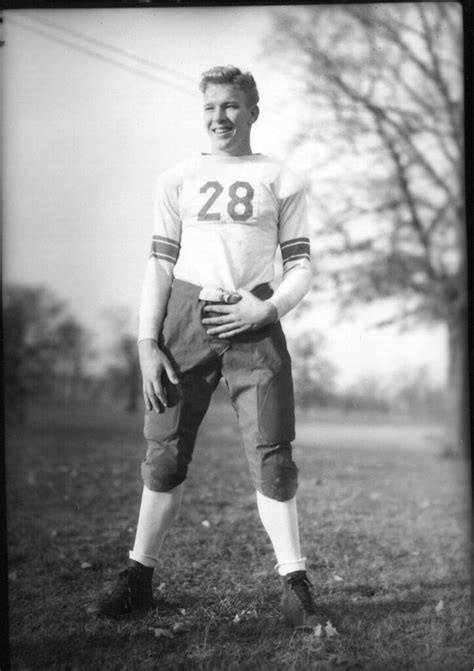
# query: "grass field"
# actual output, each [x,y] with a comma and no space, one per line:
[384,524]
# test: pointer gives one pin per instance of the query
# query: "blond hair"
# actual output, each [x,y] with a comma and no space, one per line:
[229,74]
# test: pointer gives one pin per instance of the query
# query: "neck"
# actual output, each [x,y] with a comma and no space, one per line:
[244,150]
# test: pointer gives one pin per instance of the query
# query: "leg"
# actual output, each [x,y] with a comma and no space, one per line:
[158,510]
[280,520]
[258,374]
[266,416]
[171,437]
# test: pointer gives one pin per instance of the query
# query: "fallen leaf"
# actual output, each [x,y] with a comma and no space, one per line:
[337,578]
[161,586]
[161,633]
[86,564]
[439,606]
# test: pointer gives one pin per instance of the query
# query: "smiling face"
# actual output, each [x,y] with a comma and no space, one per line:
[228,120]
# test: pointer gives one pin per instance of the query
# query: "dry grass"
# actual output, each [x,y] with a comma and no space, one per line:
[385,532]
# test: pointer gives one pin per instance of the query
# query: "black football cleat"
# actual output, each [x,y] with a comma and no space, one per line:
[132,592]
[298,607]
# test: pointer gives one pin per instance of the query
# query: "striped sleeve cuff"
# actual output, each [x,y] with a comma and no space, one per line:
[295,249]
[164,249]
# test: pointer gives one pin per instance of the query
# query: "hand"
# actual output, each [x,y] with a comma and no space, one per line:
[153,364]
[248,314]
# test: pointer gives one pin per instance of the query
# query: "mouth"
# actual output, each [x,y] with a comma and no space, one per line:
[222,130]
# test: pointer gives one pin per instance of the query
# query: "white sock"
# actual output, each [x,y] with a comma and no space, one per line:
[158,510]
[280,519]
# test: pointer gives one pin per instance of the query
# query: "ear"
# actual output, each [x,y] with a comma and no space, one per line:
[254,112]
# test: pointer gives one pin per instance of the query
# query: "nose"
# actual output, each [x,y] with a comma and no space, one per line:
[219,114]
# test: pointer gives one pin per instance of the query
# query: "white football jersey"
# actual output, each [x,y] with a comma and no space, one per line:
[218,223]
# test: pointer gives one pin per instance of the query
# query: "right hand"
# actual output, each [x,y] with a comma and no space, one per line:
[153,363]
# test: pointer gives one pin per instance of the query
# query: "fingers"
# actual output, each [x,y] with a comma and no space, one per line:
[156,371]
[221,308]
[223,327]
[223,319]
[154,395]
[169,370]
[148,403]
[151,400]
[154,391]
[227,330]
[226,315]
[236,331]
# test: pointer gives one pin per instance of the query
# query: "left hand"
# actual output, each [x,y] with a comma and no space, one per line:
[248,314]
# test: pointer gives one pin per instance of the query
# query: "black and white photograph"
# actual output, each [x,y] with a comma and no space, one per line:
[235,338]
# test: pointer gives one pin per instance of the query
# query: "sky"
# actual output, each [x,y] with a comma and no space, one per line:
[96,103]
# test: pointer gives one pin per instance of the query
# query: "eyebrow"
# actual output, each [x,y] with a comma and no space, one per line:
[225,102]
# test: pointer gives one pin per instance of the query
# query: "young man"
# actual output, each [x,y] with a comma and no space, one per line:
[207,310]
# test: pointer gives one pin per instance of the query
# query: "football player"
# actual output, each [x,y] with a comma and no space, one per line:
[208,311]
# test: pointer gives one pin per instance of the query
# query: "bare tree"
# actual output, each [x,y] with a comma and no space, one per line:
[123,373]
[72,349]
[313,373]
[382,131]
[43,346]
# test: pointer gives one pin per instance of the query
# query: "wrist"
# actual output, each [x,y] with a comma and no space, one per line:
[272,312]
[148,345]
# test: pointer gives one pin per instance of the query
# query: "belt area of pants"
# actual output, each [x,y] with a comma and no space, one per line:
[221,345]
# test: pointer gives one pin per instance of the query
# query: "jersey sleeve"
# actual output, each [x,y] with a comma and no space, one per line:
[164,253]
[293,237]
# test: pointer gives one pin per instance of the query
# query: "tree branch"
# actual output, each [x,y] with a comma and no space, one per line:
[436,73]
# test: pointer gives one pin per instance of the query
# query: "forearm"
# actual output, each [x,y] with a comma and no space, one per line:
[154,298]
[294,286]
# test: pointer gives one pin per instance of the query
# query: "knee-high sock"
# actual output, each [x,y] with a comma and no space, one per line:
[280,519]
[158,510]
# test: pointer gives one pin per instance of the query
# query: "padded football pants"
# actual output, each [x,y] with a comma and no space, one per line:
[256,368]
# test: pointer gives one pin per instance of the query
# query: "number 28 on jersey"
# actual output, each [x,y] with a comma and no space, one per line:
[221,203]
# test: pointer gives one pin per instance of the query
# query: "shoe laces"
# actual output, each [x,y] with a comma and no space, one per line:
[300,585]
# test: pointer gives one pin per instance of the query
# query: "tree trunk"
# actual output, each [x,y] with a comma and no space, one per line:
[457,436]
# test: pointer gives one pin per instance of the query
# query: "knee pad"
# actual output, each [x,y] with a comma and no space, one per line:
[162,470]
[279,474]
